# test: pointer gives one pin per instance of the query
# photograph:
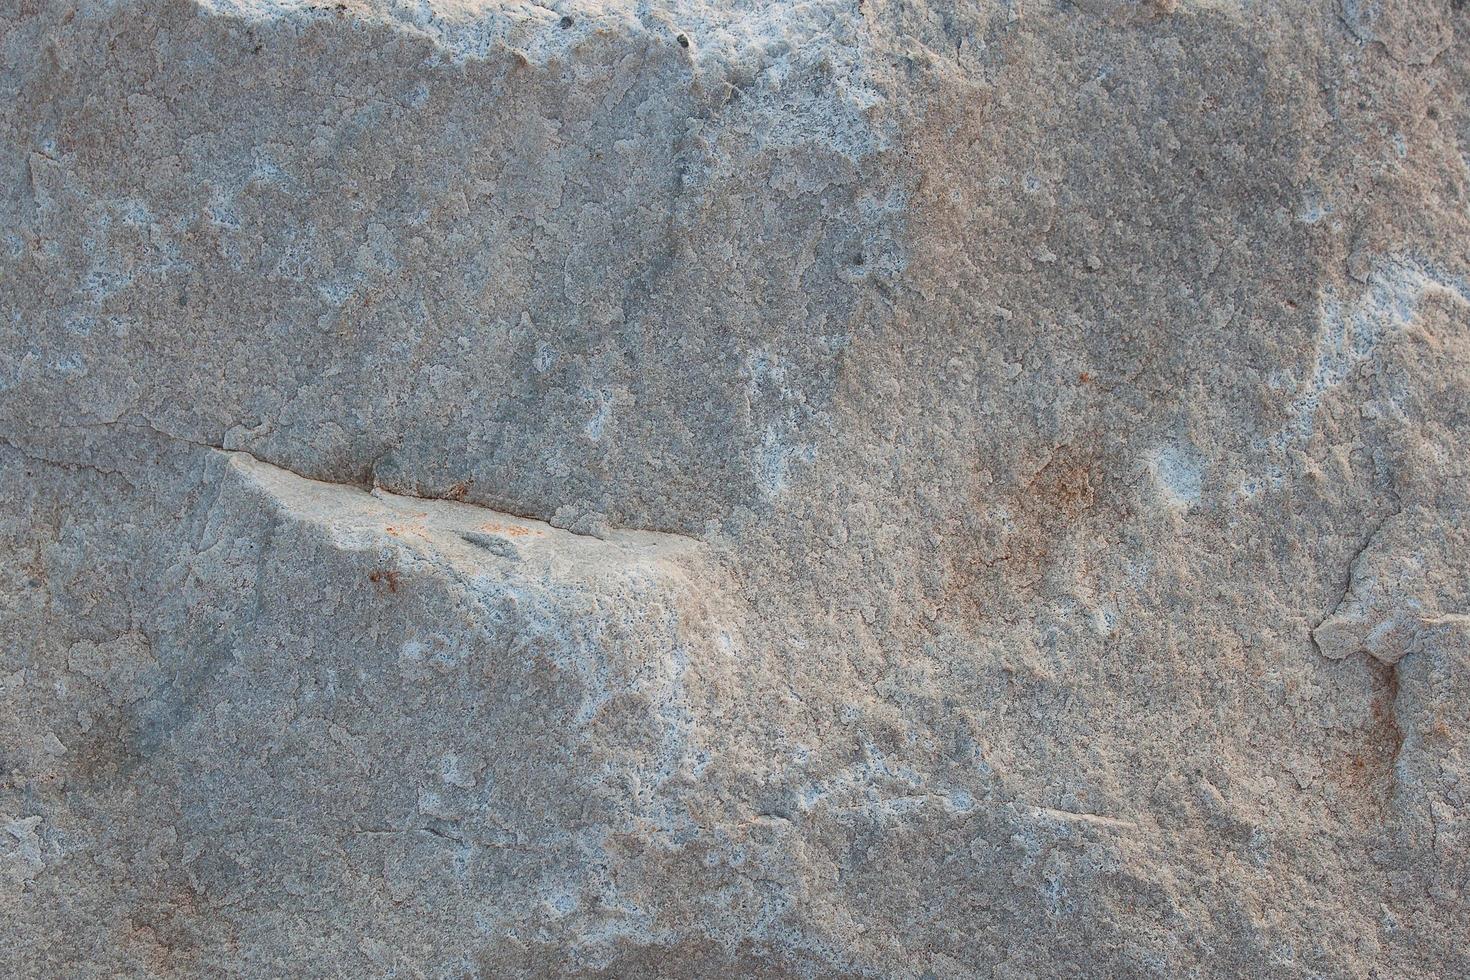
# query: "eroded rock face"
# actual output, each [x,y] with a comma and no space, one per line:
[826,489]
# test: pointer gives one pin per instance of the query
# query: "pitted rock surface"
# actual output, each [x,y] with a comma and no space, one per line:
[848,488]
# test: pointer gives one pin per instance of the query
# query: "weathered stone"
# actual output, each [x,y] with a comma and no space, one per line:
[849,488]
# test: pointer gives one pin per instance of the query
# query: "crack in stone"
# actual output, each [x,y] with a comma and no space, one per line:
[370,486]
[1347,585]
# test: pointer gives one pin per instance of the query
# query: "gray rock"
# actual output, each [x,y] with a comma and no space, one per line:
[673,489]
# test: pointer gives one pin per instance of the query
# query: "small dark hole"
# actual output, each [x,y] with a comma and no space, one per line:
[566,22]
[1433,113]
[683,41]
[858,259]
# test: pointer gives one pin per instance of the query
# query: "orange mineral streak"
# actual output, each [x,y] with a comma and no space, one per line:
[399,530]
[509,530]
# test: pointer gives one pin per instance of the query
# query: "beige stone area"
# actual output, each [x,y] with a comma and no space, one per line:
[845,488]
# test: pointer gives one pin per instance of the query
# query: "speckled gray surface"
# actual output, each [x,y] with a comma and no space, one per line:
[830,489]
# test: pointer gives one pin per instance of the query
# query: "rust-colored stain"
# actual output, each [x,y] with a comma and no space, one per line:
[399,530]
[1365,763]
[1027,527]
[509,530]
[1066,485]
[385,579]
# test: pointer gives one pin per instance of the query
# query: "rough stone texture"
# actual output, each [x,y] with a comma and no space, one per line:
[888,488]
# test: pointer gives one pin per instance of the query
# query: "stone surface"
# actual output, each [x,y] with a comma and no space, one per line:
[828,489]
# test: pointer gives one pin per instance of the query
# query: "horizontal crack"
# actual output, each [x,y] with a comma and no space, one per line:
[371,487]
